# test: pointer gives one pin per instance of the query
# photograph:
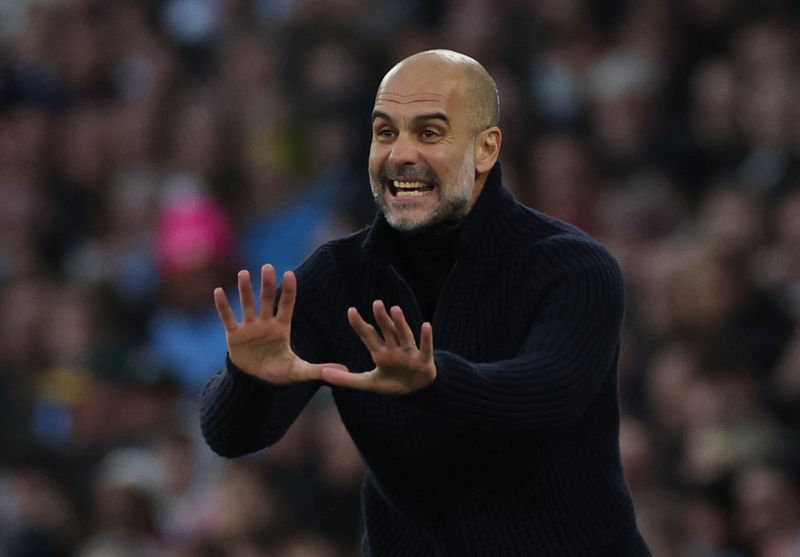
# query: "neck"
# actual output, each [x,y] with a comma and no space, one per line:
[441,229]
[480,181]
[424,258]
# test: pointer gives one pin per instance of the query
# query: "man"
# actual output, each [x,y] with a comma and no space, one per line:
[501,436]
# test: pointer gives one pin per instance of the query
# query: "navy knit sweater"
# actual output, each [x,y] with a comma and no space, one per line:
[513,449]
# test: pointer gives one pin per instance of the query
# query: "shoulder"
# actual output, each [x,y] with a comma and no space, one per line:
[561,247]
[332,261]
[323,279]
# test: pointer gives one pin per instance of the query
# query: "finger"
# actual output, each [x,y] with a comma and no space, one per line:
[314,371]
[426,342]
[404,334]
[246,296]
[288,296]
[341,378]
[267,302]
[386,324]
[224,310]
[366,332]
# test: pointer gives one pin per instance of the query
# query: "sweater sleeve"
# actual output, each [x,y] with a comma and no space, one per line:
[562,364]
[241,414]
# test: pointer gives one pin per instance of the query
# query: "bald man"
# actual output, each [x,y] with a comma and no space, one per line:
[470,344]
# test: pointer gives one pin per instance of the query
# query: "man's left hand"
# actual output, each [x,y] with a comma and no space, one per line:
[400,366]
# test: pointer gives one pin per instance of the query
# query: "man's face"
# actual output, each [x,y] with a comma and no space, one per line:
[422,156]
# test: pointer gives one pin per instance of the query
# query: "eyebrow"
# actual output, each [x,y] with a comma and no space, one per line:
[417,119]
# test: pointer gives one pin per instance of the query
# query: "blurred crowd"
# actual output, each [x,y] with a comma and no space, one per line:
[150,148]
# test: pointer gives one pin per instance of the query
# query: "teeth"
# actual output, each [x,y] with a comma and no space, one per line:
[410,193]
[409,185]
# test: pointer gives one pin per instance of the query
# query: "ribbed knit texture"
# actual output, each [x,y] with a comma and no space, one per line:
[424,260]
[513,449]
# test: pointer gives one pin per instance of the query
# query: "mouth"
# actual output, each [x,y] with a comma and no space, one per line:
[408,188]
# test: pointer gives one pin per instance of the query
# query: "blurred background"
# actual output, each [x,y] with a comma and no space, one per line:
[149,149]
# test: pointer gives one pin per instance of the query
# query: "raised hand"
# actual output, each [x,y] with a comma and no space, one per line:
[259,345]
[400,366]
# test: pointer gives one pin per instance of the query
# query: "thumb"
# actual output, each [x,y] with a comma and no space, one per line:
[314,371]
[341,377]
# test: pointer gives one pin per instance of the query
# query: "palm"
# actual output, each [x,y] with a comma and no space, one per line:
[259,344]
[262,346]
[400,366]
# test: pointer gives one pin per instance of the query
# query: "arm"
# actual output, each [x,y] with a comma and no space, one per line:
[265,385]
[557,373]
[561,366]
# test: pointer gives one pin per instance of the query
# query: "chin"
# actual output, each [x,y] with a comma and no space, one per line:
[408,223]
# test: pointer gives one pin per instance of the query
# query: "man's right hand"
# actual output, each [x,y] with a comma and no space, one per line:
[259,345]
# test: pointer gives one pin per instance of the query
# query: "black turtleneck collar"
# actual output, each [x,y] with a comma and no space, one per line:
[424,258]
[439,238]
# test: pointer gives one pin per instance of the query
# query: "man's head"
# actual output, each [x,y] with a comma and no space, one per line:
[434,138]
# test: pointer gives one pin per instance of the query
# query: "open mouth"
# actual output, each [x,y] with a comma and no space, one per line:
[408,188]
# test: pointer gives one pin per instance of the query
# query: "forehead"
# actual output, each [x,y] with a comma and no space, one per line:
[409,92]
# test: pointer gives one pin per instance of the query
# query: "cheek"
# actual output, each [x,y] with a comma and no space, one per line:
[376,158]
[455,168]
[444,164]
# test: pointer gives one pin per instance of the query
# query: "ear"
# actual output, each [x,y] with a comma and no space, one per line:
[487,149]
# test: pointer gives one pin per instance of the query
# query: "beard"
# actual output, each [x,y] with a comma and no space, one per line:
[454,201]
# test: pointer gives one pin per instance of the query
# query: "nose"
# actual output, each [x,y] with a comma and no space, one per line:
[403,150]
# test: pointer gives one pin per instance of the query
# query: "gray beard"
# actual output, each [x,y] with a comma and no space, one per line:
[448,210]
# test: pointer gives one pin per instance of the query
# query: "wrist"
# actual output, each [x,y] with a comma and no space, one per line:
[244,375]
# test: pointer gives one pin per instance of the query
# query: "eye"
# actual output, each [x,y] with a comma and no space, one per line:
[429,134]
[384,133]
